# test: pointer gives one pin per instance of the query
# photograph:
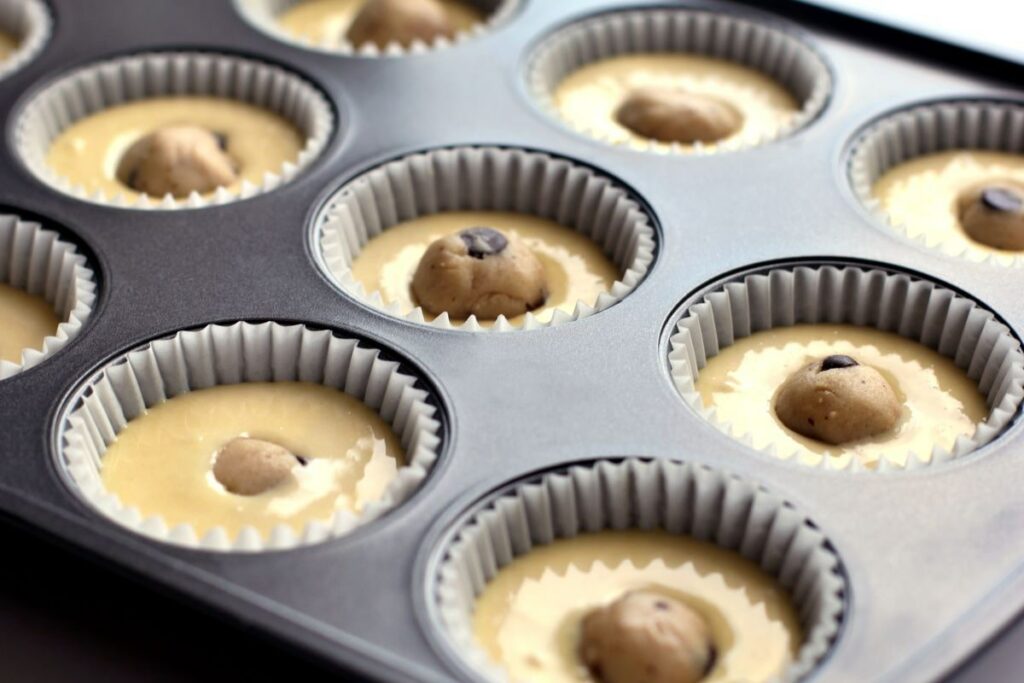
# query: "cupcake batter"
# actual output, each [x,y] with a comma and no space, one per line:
[589,97]
[162,462]
[25,321]
[575,267]
[7,45]
[939,401]
[88,152]
[322,22]
[528,617]
[921,194]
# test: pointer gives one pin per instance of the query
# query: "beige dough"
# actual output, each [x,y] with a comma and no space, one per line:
[7,46]
[88,153]
[528,618]
[176,160]
[382,22]
[162,462]
[672,115]
[575,268]
[249,467]
[589,97]
[992,213]
[25,321]
[321,22]
[939,401]
[922,194]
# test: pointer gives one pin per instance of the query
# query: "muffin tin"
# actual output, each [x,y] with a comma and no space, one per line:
[929,560]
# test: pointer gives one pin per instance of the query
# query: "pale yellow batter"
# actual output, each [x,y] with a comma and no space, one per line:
[7,46]
[88,152]
[589,97]
[162,461]
[921,194]
[574,265]
[939,401]
[325,21]
[528,617]
[25,321]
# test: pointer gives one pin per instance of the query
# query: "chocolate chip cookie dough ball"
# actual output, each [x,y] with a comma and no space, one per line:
[249,467]
[177,160]
[645,636]
[993,213]
[674,115]
[399,21]
[837,400]
[479,271]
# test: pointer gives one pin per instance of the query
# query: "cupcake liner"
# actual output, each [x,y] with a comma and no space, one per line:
[771,50]
[263,14]
[37,261]
[917,309]
[232,354]
[929,129]
[485,179]
[680,498]
[90,89]
[29,22]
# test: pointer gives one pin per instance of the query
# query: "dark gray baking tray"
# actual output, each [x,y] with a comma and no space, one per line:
[935,558]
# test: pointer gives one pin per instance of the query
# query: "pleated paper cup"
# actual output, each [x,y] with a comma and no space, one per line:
[905,135]
[768,48]
[890,301]
[29,23]
[232,354]
[37,261]
[263,15]
[485,179]
[680,498]
[91,89]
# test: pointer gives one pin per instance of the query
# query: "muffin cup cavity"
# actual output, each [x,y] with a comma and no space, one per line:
[231,354]
[263,15]
[769,49]
[929,129]
[91,89]
[917,309]
[37,261]
[27,21]
[485,179]
[681,498]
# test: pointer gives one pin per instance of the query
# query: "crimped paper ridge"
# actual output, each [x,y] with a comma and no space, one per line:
[37,261]
[770,50]
[29,22]
[929,129]
[681,498]
[99,86]
[917,309]
[263,15]
[486,179]
[232,354]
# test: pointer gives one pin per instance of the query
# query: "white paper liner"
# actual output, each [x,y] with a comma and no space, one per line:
[929,129]
[29,22]
[263,15]
[90,89]
[485,179]
[917,309]
[789,60]
[37,261]
[231,354]
[680,498]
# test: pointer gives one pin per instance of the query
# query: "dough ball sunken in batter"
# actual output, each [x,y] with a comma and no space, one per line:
[479,271]
[249,467]
[177,160]
[675,115]
[400,21]
[646,636]
[992,213]
[837,400]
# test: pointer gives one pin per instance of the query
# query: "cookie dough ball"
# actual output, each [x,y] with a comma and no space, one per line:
[249,467]
[399,21]
[479,271]
[673,115]
[645,636]
[993,213]
[836,400]
[177,160]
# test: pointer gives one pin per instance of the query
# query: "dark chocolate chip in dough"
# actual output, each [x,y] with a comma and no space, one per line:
[482,241]
[837,362]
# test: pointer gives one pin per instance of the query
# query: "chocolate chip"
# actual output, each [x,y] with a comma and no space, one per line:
[712,658]
[837,362]
[483,242]
[661,605]
[222,140]
[1002,199]
[302,461]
